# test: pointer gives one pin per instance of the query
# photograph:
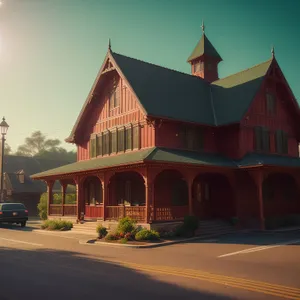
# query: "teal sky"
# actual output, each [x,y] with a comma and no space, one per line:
[51,50]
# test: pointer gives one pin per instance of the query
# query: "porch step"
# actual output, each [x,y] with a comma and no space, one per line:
[88,227]
[214,227]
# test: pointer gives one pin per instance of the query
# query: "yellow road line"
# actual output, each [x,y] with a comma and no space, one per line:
[285,292]
[196,272]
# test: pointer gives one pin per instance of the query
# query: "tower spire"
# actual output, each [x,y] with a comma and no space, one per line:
[109,44]
[203,27]
[273,51]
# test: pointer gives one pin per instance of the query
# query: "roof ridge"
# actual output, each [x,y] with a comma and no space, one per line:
[269,60]
[155,65]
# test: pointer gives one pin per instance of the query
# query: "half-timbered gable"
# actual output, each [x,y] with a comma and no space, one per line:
[270,124]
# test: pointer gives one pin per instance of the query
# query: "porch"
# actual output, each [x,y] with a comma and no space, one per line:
[148,194]
[172,184]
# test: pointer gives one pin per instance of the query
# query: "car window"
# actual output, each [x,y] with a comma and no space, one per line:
[12,206]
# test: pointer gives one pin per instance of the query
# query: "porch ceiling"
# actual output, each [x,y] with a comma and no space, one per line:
[148,155]
[257,159]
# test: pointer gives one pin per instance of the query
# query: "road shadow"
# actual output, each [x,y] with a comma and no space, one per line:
[47,274]
[17,227]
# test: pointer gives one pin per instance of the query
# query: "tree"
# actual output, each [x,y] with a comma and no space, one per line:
[7,148]
[38,145]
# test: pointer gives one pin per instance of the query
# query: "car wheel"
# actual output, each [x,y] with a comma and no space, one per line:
[23,224]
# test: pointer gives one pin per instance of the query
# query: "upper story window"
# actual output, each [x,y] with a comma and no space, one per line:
[198,67]
[114,97]
[192,138]
[209,66]
[270,103]
[261,139]
[115,141]
[281,142]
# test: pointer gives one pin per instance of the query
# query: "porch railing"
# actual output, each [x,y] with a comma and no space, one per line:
[137,213]
[94,211]
[171,213]
[70,210]
[66,210]
[55,210]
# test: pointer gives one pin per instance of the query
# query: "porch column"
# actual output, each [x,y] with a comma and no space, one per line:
[231,176]
[258,177]
[104,179]
[50,195]
[105,195]
[78,182]
[63,198]
[190,187]
[149,199]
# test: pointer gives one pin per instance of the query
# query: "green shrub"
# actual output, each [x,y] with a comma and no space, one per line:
[102,231]
[123,241]
[191,223]
[147,235]
[126,225]
[57,225]
[42,206]
[111,237]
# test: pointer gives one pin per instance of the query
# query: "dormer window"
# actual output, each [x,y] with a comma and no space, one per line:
[270,103]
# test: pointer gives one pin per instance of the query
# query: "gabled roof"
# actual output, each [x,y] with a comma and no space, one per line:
[156,87]
[204,46]
[14,165]
[169,94]
[233,95]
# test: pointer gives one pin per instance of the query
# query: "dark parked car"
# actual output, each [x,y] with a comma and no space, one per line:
[13,213]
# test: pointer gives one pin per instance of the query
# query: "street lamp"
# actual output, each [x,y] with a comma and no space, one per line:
[3,130]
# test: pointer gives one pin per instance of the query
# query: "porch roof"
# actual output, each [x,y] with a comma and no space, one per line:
[154,154]
[257,159]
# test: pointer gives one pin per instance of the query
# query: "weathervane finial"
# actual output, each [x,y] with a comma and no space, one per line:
[109,44]
[203,27]
[273,51]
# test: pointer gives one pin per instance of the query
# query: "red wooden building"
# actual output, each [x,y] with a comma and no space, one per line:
[156,144]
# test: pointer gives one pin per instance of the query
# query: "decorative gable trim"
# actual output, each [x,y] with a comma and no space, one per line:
[108,64]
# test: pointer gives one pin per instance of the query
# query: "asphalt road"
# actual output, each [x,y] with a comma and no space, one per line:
[240,266]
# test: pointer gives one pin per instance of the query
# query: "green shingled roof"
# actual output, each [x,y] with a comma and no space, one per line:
[204,46]
[233,95]
[164,92]
[257,159]
[147,155]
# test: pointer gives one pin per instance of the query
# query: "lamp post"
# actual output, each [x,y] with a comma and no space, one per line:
[3,130]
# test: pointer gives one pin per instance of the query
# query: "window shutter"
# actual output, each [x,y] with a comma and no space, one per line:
[121,133]
[258,138]
[266,139]
[106,143]
[278,141]
[136,137]
[285,143]
[113,141]
[99,145]
[128,138]
[92,147]
[200,139]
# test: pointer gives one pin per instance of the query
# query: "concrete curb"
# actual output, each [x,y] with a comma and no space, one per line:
[277,230]
[94,242]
